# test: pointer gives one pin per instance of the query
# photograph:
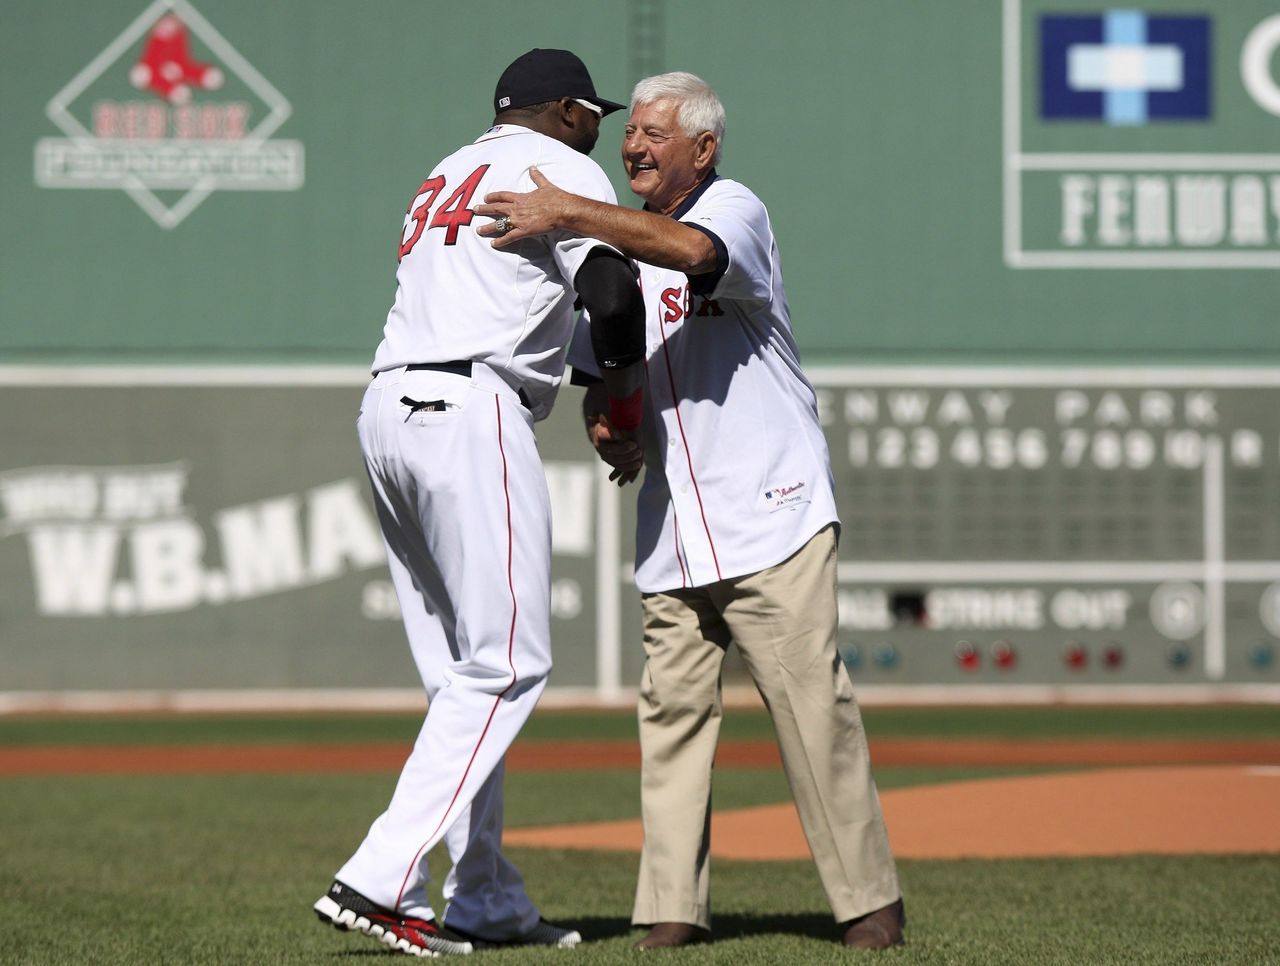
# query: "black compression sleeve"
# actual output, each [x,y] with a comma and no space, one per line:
[609,292]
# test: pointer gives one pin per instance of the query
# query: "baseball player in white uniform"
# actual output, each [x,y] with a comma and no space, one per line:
[737,524]
[473,353]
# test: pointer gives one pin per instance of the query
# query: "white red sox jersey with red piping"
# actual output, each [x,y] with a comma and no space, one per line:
[461,299]
[465,515]
[737,473]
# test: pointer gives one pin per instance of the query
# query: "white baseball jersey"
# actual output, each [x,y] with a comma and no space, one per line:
[466,518]
[458,298]
[737,474]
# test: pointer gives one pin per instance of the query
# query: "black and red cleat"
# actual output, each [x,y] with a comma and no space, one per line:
[344,908]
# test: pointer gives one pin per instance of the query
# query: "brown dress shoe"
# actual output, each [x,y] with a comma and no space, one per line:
[877,930]
[666,935]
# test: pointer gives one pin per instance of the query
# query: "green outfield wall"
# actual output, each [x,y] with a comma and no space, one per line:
[1032,250]
[923,203]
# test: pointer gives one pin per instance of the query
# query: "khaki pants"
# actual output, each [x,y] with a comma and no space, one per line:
[783,620]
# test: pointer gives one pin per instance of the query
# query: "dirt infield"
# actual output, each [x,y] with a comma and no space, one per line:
[1187,796]
[1171,810]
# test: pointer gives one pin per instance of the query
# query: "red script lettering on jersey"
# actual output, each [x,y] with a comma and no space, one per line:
[679,305]
[677,302]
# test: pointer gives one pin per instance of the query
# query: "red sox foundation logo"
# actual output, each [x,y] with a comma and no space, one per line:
[169,112]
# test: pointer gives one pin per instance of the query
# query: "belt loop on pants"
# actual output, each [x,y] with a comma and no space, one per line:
[461,367]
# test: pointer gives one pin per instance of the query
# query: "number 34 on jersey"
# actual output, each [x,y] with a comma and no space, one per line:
[452,215]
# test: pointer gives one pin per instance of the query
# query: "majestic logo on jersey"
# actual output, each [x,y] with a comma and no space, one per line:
[1141,137]
[781,496]
[169,112]
[1124,67]
[781,491]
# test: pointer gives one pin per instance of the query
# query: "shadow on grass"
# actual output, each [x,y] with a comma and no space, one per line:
[724,926]
[811,924]
[593,929]
[596,928]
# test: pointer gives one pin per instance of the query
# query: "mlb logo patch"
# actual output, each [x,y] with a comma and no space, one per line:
[1124,67]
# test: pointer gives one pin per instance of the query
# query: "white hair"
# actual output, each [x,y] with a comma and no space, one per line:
[700,108]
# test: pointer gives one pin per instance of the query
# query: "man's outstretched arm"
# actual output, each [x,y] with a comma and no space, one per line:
[643,235]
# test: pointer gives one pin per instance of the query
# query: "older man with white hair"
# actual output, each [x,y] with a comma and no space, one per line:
[737,525]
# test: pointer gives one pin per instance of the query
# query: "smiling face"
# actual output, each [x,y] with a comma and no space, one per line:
[662,162]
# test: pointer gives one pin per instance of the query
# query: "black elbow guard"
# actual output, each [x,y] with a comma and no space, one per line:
[618,339]
[612,298]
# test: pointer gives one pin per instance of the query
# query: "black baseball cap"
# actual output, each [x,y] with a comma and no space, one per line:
[545,74]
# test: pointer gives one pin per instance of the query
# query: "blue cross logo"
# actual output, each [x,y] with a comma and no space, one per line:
[1124,67]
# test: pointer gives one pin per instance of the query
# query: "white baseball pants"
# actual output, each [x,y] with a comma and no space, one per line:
[462,500]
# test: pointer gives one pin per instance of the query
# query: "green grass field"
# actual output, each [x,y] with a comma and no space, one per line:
[223,869]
